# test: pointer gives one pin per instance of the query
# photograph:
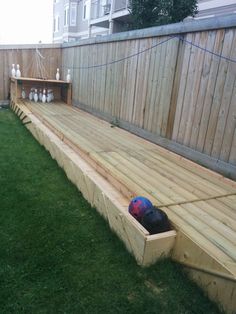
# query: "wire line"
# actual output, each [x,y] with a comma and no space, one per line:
[152,47]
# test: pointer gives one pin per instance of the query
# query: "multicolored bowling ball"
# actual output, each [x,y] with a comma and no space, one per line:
[138,206]
[155,221]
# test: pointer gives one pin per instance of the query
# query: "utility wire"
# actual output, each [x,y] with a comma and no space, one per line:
[206,50]
[122,59]
[152,47]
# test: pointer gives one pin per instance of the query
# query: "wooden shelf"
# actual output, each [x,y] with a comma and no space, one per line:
[62,90]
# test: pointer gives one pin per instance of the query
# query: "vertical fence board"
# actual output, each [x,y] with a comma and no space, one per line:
[218,93]
[182,87]
[202,89]
[210,91]
[221,126]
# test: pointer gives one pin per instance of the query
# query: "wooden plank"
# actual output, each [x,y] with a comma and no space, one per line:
[125,82]
[232,157]
[160,245]
[194,167]
[222,213]
[141,83]
[158,186]
[229,201]
[190,253]
[168,80]
[212,276]
[210,90]
[157,105]
[103,76]
[118,79]
[203,242]
[217,98]
[220,204]
[80,93]
[208,232]
[132,79]
[175,89]
[182,87]
[230,129]
[148,105]
[109,80]
[218,289]
[199,210]
[202,89]
[184,178]
[189,89]
[225,104]
[199,58]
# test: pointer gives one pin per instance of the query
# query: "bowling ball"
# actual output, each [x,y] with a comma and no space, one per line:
[138,206]
[155,221]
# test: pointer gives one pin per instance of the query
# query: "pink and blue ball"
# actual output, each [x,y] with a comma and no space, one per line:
[138,206]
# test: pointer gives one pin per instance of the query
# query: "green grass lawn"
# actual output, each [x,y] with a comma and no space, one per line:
[57,255]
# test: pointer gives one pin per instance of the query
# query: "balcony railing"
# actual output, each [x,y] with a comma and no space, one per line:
[120,5]
[100,8]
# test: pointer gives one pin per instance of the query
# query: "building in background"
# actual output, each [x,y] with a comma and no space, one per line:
[78,19]
[211,8]
[69,22]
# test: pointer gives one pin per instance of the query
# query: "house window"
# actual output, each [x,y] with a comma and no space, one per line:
[86,10]
[73,14]
[66,15]
[56,23]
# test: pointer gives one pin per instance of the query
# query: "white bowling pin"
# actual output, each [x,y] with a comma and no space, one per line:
[44,98]
[18,72]
[58,75]
[49,97]
[68,77]
[23,95]
[31,95]
[40,95]
[36,98]
[13,70]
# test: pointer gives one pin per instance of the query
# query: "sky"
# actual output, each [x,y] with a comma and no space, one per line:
[26,21]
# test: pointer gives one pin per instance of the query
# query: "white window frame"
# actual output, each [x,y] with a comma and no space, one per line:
[86,10]
[56,23]
[66,15]
[73,11]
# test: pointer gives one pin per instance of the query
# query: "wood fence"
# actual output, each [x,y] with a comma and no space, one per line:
[161,83]
[166,86]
